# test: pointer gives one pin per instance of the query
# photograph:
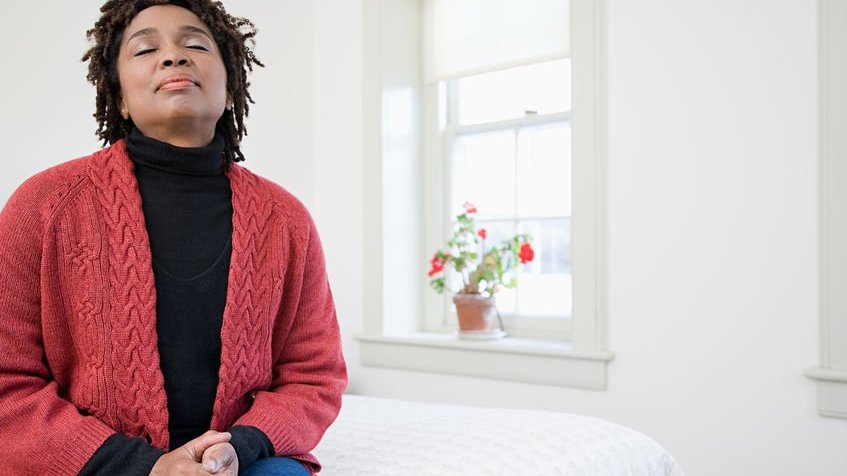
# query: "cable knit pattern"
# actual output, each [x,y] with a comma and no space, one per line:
[83,265]
[137,378]
[250,248]
[78,320]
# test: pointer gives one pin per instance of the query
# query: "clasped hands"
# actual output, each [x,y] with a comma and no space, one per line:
[209,453]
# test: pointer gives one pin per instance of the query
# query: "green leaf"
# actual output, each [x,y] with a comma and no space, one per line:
[438,285]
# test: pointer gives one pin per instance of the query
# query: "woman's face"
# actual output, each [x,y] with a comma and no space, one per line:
[172,76]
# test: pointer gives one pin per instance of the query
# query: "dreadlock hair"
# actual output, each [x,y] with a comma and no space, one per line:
[234,37]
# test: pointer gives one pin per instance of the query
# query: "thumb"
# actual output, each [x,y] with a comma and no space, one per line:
[217,457]
[197,446]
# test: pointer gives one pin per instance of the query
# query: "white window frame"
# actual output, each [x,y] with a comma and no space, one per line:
[402,338]
[439,313]
[830,375]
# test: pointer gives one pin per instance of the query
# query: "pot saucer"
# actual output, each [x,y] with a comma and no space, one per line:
[492,334]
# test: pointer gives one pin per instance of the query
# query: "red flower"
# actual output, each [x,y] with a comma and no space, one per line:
[526,253]
[482,233]
[469,208]
[437,265]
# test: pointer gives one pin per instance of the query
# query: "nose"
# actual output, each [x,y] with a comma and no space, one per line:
[174,59]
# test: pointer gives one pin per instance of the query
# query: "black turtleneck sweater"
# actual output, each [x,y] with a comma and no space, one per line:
[187,204]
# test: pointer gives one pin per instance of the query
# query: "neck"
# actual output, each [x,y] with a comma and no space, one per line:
[150,153]
[180,135]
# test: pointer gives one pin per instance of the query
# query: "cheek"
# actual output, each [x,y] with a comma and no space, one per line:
[220,83]
[132,84]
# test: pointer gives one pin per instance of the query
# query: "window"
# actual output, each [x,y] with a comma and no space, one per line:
[430,124]
[506,137]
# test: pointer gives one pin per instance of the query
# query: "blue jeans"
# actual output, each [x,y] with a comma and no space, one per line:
[275,466]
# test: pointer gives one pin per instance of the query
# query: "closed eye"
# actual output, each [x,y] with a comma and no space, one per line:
[198,47]
[144,52]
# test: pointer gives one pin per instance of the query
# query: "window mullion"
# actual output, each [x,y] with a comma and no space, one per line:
[526,121]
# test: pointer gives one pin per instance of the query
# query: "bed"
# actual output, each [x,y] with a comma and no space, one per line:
[377,436]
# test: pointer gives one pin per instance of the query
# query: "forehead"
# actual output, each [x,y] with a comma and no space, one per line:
[163,18]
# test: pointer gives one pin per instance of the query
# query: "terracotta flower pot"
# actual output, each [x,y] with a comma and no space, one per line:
[476,313]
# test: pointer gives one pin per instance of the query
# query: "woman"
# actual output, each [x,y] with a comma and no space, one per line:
[162,309]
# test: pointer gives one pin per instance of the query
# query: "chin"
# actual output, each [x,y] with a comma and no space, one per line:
[182,116]
[187,106]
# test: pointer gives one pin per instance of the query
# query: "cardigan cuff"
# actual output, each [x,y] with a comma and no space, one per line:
[120,454]
[88,437]
[251,444]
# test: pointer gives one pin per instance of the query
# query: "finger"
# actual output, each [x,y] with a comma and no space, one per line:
[198,446]
[228,457]
[214,458]
[223,459]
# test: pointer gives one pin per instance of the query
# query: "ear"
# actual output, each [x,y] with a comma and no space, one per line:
[123,108]
[228,101]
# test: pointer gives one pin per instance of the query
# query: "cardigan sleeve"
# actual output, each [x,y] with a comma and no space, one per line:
[41,432]
[124,455]
[250,445]
[309,373]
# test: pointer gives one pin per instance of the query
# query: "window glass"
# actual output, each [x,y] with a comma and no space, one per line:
[544,285]
[543,88]
[544,171]
[484,173]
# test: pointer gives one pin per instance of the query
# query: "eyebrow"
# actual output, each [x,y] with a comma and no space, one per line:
[184,29]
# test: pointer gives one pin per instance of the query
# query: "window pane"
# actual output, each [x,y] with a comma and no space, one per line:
[544,88]
[483,173]
[551,240]
[497,231]
[544,285]
[544,171]
[545,295]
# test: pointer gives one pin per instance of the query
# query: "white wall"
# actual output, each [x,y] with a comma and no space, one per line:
[44,95]
[713,231]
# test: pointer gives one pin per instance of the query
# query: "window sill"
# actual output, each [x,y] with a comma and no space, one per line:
[832,391]
[515,359]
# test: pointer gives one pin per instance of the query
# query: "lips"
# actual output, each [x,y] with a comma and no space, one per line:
[179,81]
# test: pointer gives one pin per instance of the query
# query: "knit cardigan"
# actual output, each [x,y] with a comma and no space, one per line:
[78,348]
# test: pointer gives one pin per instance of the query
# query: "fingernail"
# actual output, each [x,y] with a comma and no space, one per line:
[213,466]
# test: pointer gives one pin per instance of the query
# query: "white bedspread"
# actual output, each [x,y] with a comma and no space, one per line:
[376,436]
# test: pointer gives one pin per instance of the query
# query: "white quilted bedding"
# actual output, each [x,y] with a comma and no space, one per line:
[377,436]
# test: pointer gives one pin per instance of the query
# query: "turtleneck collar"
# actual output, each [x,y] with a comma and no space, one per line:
[208,160]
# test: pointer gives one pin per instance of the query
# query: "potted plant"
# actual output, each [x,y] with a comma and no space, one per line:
[484,270]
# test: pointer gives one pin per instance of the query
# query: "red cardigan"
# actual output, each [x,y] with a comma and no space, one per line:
[78,352]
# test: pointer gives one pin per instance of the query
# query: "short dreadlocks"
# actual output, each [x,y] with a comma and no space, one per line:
[234,37]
